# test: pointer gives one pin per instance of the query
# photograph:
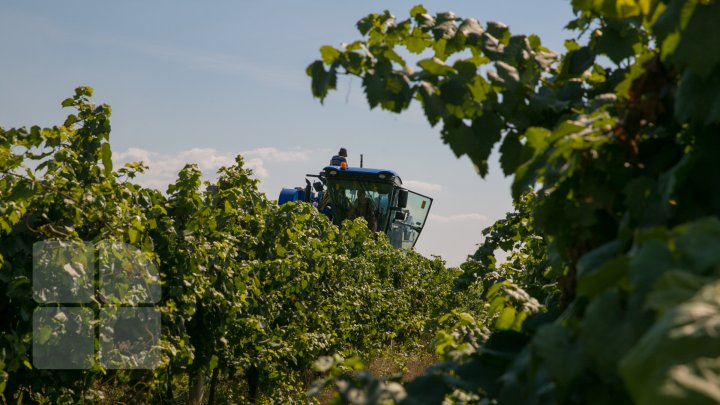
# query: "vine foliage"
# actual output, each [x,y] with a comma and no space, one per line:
[616,138]
[252,293]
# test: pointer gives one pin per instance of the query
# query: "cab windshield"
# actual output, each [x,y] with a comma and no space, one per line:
[361,199]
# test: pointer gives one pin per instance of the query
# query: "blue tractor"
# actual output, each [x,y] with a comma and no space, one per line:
[377,195]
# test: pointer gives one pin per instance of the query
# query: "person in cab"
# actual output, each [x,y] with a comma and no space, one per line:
[364,208]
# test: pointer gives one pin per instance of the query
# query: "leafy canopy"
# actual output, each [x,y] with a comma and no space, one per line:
[615,137]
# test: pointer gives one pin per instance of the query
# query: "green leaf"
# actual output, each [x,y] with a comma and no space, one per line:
[619,9]
[562,356]
[650,261]
[106,156]
[42,334]
[322,80]
[480,89]
[610,329]
[699,243]
[132,235]
[698,49]
[476,141]
[329,54]
[534,42]
[512,153]
[592,263]
[466,318]
[509,75]
[610,274]
[672,289]
[499,31]
[213,363]
[439,47]
[418,9]
[636,70]
[578,61]
[354,363]
[471,29]
[375,89]
[455,92]
[366,23]
[487,131]
[676,361]
[71,119]
[506,318]
[571,45]
[537,138]
[444,31]
[393,56]
[417,41]
[616,42]
[436,67]
[433,105]
[84,91]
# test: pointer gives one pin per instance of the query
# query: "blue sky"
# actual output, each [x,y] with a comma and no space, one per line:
[203,81]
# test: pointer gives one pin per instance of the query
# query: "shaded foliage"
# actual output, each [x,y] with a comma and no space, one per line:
[617,139]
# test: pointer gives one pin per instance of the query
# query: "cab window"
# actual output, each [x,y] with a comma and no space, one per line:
[404,231]
[355,199]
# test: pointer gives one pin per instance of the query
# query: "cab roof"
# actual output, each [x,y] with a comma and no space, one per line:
[363,172]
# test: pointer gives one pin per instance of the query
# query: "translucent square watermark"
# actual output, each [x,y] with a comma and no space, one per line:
[127,275]
[63,338]
[64,335]
[129,338]
[63,272]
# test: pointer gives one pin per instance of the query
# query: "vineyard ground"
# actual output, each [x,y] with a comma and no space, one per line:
[393,362]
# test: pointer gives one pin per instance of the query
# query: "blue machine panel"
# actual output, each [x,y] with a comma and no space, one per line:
[290,194]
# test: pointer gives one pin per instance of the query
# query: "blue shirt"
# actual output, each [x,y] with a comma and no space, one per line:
[337,159]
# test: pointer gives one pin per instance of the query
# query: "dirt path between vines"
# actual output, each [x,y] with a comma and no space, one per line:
[410,364]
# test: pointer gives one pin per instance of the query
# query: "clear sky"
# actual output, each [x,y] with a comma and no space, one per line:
[203,81]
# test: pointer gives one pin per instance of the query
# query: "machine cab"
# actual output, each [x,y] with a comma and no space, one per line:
[378,197]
